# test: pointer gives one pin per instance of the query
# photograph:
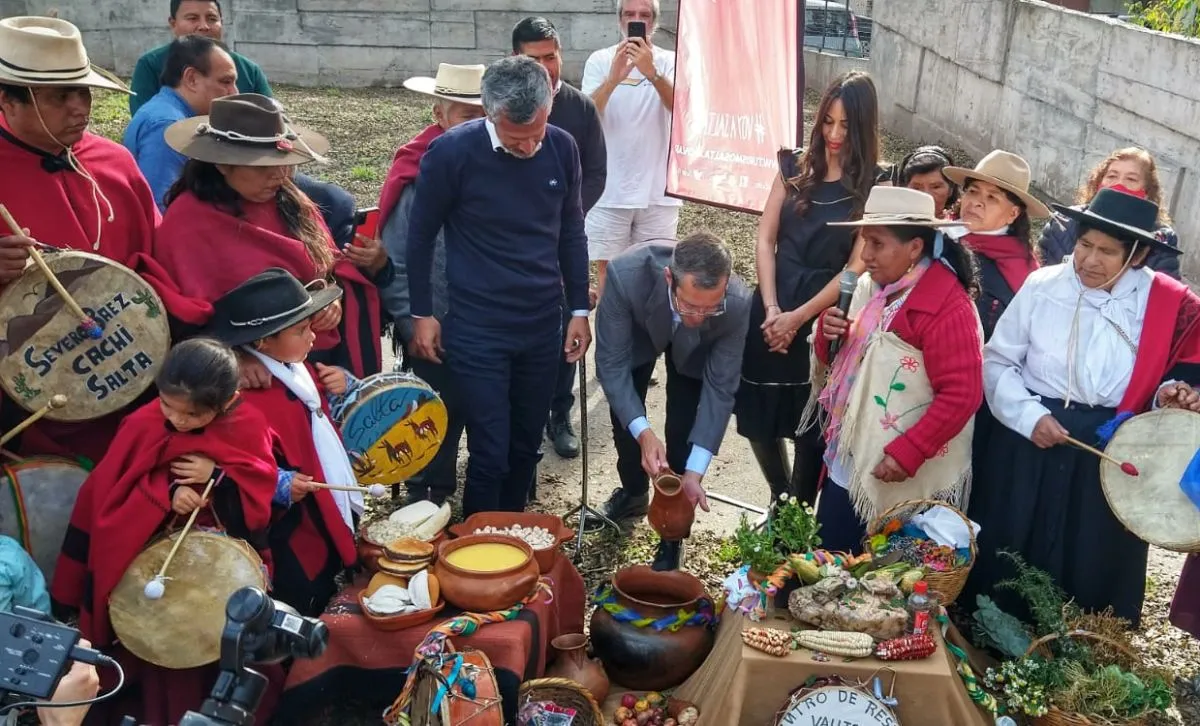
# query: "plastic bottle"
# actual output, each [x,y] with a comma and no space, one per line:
[920,606]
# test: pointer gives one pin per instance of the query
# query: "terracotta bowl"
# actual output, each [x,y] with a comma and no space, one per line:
[405,620]
[546,557]
[484,592]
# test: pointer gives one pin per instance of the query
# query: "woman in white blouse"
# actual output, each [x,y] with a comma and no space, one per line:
[1080,343]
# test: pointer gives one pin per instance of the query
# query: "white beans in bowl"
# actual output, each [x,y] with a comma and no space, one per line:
[539,538]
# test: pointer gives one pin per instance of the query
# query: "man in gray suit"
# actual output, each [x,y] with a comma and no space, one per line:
[681,299]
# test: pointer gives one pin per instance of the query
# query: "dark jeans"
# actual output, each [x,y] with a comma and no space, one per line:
[439,479]
[503,375]
[841,529]
[564,399]
[683,397]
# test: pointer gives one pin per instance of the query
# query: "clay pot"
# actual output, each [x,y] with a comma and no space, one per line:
[671,514]
[545,558]
[645,658]
[484,592]
[572,662]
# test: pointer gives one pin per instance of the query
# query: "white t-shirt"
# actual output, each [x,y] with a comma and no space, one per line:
[637,132]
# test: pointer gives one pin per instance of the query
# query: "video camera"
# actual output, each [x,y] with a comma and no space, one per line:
[36,651]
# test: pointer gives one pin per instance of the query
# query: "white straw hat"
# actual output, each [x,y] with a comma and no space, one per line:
[888,206]
[37,51]
[461,84]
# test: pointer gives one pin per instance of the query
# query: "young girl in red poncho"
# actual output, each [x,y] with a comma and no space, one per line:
[312,535]
[163,455]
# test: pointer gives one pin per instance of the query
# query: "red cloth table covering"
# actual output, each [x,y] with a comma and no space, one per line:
[366,664]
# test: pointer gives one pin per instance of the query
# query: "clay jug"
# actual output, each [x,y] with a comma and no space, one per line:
[671,514]
[572,662]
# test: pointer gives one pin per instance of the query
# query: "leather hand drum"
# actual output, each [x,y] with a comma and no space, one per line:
[44,352]
[392,426]
[1152,505]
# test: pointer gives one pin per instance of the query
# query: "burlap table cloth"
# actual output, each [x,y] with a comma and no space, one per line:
[368,665]
[740,685]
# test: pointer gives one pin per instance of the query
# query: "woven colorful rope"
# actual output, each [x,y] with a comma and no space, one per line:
[704,614]
[434,644]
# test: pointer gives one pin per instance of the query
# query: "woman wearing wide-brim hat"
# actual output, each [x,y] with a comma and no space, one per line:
[236,211]
[1082,345]
[897,406]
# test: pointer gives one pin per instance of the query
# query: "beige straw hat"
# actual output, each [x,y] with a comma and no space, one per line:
[37,51]
[460,84]
[888,206]
[1007,171]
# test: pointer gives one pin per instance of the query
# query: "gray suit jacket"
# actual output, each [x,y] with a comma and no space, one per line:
[634,326]
[395,296]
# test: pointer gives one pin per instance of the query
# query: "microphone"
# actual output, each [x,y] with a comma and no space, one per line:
[846,285]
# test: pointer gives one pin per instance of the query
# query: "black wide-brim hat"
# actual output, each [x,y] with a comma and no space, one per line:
[1124,216]
[270,302]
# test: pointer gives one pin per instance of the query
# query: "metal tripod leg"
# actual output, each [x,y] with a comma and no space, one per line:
[584,509]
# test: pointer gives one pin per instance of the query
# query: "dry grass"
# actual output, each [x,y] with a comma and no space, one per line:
[365,126]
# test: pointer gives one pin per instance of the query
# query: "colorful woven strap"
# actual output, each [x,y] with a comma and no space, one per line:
[704,614]
[434,644]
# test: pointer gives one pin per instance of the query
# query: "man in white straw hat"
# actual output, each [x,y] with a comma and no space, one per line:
[63,185]
[456,99]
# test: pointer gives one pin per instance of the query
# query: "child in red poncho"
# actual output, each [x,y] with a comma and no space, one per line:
[151,477]
[312,535]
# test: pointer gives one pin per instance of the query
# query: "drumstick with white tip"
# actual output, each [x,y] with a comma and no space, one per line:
[155,589]
[375,490]
[85,321]
[56,401]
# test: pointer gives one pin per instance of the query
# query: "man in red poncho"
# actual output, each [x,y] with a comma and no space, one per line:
[67,188]
[457,99]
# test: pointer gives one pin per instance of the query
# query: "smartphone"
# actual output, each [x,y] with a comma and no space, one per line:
[366,223]
[637,29]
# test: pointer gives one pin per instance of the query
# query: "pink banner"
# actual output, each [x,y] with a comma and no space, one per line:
[736,100]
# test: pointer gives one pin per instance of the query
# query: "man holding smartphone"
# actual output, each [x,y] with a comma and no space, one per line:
[632,85]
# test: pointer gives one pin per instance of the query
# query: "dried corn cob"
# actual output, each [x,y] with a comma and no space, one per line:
[851,645]
[910,647]
[768,640]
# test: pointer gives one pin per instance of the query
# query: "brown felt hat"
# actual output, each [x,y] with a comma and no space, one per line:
[246,129]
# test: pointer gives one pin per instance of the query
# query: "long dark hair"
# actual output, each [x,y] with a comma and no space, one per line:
[856,91]
[960,259]
[202,370]
[299,214]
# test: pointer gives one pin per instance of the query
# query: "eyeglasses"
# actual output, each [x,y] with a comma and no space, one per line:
[681,308]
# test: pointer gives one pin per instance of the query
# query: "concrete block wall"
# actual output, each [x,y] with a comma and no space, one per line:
[350,42]
[1061,88]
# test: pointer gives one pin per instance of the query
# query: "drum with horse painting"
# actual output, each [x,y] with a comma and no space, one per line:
[44,351]
[391,427]
[37,496]
[182,629]
[1152,505]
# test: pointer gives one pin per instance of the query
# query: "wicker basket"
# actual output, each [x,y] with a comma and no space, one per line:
[566,693]
[1058,717]
[947,585]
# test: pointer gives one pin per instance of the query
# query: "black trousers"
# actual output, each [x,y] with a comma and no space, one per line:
[439,479]
[502,376]
[683,397]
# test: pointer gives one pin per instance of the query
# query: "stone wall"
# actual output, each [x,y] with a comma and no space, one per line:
[821,68]
[349,42]
[1061,88]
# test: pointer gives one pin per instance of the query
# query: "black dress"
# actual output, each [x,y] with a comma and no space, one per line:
[808,255]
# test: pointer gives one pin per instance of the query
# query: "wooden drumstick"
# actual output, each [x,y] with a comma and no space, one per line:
[85,321]
[375,490]
[56,401]
[1125,466]
[156,587]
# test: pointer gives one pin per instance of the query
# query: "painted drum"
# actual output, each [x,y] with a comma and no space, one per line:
[835,705]
[43,350]
[391,426]
[182,629]
[37,496]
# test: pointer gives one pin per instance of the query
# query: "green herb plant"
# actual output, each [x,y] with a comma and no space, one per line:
[756,548]
[794,526]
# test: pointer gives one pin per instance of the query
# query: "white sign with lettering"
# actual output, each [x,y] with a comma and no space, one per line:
[837,706]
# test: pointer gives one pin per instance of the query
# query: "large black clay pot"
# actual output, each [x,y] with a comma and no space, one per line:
[635,631]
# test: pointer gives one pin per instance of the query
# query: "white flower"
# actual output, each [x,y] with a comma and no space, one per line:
[784,497]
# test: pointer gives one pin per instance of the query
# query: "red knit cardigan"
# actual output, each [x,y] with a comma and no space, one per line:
[938,318]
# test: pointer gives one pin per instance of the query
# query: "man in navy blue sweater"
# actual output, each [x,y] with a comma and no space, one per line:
[506,190]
